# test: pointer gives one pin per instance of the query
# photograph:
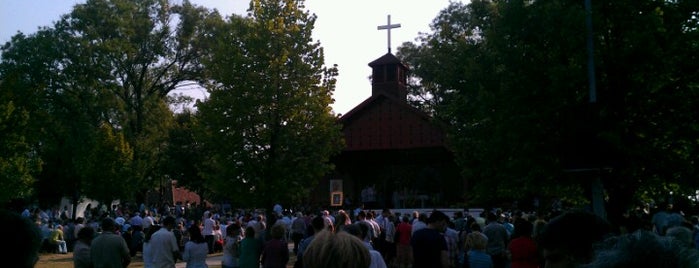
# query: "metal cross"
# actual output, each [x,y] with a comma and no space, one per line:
[388,28]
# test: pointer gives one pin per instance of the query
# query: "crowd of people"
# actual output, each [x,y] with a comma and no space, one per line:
[363,238]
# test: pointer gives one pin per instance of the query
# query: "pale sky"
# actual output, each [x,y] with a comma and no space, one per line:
[347,30]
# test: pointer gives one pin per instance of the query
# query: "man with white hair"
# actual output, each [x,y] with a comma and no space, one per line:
[208,230]
[329,219]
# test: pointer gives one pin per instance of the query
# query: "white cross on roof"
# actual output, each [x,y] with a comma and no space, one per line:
[388,28]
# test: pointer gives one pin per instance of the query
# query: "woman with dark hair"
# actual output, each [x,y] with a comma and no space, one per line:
[147,259]
[250,249]
[522,248]
[196,249]
[231,246]
[275,253]
[81,251]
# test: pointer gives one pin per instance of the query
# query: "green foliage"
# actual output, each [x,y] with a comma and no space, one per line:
[510,78]
[267,126]
[17,164]
[105,167]
[183,155]
[99,79]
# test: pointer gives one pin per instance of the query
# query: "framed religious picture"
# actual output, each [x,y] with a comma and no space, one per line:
[336,199]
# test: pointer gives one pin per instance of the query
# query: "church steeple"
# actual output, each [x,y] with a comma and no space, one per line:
[388,74]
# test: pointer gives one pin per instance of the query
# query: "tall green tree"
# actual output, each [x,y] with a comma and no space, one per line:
[19,164]
[510,77]
[26,71]
[108,62]
[147,56]
[267,126]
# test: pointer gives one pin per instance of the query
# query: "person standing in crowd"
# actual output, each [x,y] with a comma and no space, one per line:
[476,257]
[277,208]
[375,230]
[403,249]
[387,231]
[231,246]
[318,224]
[567,240]
[497,240]
[163,245]
[79,224]
[250,249]
[419,222]
[341,220]
[298,230]
[523,250]
[137,236]
[195,250]
[429,245]
[361,231]
[148,221]
[179,231]
[459,221]
[135,221]
[109,249]
[147,255]
[81,251]
[208,230]
[452,238]
[275,253]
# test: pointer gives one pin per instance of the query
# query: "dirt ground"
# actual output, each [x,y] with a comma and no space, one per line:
[51,260]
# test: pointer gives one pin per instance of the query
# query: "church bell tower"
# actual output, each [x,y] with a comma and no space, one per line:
[388,74]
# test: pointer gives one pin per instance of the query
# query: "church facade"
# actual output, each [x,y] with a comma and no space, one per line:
[396,156]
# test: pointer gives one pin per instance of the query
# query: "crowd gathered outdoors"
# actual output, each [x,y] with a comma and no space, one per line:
[322,237]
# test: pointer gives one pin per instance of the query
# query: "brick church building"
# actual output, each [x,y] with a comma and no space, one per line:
[395,156]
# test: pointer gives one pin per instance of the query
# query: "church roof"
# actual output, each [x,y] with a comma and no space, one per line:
[380,96]
[383,122]
[388,58]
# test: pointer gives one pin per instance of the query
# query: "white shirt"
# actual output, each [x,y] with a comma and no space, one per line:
[162,245]
[208,227]
[376,259]
[417,226]
[195,254]
[148,221]
[147,262]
